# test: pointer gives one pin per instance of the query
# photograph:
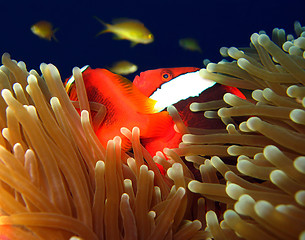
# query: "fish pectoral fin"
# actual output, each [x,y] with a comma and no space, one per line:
[159,124]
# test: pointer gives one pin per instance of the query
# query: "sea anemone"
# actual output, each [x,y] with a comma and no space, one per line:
[58,182]
[263,191]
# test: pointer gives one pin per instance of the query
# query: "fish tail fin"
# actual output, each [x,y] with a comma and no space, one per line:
[53,35]
[103,23]
[100,20]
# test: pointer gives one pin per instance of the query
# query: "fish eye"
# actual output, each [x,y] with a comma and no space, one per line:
[166,76]
[150,35]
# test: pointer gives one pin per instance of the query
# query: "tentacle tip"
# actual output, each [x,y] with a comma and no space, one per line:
[6,93]
[222,112]
[253,123]
[263,39]
[6,55]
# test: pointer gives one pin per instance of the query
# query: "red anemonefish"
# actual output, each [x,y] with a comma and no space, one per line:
[126,107]
[128,104]
[181,87]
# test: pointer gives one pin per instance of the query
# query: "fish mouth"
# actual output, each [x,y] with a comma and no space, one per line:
[136,79]
[180,88]
[141,83]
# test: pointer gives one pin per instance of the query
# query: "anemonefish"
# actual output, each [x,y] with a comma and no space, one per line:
[126,107]
[128,104]
[169,86]
[44,29]
[128,29]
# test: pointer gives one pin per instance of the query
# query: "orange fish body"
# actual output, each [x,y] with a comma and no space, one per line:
[128,106]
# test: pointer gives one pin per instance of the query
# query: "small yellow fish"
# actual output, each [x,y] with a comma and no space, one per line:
[128,29]
[189,44]
[123,67]
[44,29]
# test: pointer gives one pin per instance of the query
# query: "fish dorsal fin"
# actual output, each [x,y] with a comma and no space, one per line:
[142,103]
[119,89]
[124,20]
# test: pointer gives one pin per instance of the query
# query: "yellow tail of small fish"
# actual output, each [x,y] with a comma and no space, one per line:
[103,23]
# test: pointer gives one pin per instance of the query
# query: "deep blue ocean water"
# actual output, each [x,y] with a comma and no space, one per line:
[213,23]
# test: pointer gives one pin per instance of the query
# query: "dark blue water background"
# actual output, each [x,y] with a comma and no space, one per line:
[213,23]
